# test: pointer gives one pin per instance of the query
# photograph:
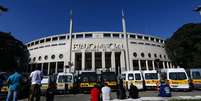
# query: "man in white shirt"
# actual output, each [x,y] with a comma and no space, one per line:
[106,91]
[36,78]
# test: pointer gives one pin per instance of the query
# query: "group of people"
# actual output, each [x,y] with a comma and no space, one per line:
[15,80]
[104,94]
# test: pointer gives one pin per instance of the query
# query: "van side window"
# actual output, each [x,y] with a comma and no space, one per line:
[123,76]
[130,77]
[137,76]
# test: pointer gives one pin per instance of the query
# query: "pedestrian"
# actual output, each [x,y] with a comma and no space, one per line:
[106,92]
[121,91]
[164,89]
[14,82]
[36,78]
[51,91]
[133,92]
[95,93]
[1,81]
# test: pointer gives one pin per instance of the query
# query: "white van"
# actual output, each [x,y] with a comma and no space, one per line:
[195,76]
[134,77]
[65,82]
[151,79]
[177,78]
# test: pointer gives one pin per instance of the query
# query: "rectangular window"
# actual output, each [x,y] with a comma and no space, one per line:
[115,35]
[79,36]
[37,42]
[48,40]
[107,59]
[157,40]
[139,37]
[135,65]
[78,61]
[42,41]
[106,35]
[88,61]
[62,37]
[45,69]
[88,35]
[54,38]
[60,67]
[98,59]
[132,36]
[146,38]
[152,39]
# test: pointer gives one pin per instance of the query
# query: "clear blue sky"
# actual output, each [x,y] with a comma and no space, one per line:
[32,19]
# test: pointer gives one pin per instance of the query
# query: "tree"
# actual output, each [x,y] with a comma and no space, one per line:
[12,52]
[184,47]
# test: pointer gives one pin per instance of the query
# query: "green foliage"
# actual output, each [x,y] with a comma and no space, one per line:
[13,53]
[184,47]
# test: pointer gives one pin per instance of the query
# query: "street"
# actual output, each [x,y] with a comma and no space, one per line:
[86,97]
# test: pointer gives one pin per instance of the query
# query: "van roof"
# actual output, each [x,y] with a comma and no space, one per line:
[63,73]
[131,72]
[174,69]
[149,71]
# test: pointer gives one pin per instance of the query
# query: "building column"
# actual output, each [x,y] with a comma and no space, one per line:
[171,65]
[42,67]
[139,64]
[153,65]
[56,67]
[93,61]
[103,61]
[123,62]
[147,67]
[167,64]
[113,61]
[83,61]
[48,70]
[163,64]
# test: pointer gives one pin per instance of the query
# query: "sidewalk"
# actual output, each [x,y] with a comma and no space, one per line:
[161,98]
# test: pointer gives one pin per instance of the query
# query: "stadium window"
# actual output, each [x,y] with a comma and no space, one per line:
[142,54]
[79,36]
[88,35]
[47,45]
[37,42]
[146,38]
[157,40]
[152,39]
[53,57]
[115,35]
[149,55]
[34,59]
[106,35]
[122,35]
[160,56]
[139,37]
[155,55]
[135,54]
[46,57]
[164,56]
[54,45]
[62,37]
[60,56]
[39,58]
[54,38]
[141,43]
[48,40]
[42,41]
[132,36]
[41,47]
[29,45]
[32,43]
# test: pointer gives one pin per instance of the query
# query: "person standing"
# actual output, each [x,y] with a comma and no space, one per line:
[14,82]
[95,93]
[133,92]
[36,78]
[121,92]
[106,92]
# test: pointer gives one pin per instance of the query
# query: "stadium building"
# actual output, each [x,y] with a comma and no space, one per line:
[98,51]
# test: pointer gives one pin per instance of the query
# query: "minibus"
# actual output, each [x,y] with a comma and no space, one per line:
[134,77]
[151,79]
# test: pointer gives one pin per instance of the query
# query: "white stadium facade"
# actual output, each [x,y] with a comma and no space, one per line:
[98,51]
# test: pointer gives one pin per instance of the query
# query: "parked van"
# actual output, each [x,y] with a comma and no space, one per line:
[134,77]
[195,78]
[65,82]
[151,79]
[177,78]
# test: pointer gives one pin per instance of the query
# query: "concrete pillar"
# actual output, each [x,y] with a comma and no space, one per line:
[93,61]
[123,62]
[113,61]
[147,67]
[83,61]
[48,71]
[103,60]
[163,64]
[56,68]
[153,65]
[139,64]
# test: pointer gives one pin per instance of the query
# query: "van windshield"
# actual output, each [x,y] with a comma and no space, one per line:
[196,75]
[64,78]
[149,76]
[137,76]
[130,77]
[177,76]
